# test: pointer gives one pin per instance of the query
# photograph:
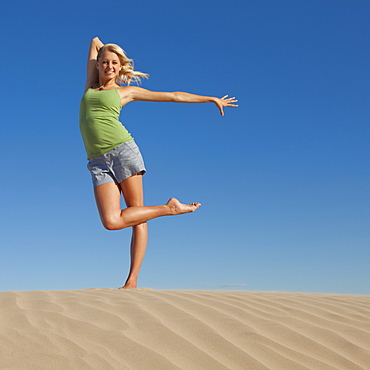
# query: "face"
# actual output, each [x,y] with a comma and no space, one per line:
[108,65]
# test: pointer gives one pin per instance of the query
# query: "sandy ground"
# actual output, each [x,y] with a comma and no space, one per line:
[177,329]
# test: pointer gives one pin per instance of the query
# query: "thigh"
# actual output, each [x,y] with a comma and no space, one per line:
[132,190]
[108,198]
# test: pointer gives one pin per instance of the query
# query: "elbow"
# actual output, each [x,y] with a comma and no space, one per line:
[176,97]
[96,42]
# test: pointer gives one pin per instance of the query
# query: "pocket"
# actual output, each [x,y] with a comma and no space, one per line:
[129,146]
[93,163]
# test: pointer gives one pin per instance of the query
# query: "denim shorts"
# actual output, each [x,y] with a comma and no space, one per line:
[116,165]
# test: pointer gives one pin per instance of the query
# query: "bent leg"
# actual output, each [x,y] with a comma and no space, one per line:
[114,218]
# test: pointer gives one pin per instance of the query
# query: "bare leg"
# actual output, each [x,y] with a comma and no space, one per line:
[137,253]
[132,189]
[114,218]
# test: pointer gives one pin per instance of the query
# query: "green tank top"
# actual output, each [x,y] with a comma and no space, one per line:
[100,127]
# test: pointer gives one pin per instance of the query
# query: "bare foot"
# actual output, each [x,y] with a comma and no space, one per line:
[178,208]
[130,284]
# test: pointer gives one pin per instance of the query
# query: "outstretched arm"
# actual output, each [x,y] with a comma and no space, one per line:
[133,93]
[92,75]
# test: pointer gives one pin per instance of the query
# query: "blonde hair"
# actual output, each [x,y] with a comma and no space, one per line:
[126,73]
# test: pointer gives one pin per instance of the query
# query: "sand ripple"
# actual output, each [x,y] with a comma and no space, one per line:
[151,329]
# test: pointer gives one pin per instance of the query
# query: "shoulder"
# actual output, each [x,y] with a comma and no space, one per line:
[128,93]
[88,86]
[124,90]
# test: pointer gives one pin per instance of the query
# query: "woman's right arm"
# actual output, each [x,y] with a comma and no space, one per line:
[92,75]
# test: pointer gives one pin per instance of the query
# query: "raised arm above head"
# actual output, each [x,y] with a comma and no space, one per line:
[92,75]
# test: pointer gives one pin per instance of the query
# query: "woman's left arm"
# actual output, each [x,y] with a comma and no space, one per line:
[133,93]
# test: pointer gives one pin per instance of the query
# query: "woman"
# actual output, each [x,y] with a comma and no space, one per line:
[115,161]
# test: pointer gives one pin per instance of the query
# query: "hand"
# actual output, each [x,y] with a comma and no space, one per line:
[225,102]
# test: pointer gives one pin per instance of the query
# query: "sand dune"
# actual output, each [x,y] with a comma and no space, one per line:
[151,329]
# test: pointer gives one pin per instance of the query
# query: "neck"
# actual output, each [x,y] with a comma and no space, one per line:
[106,85]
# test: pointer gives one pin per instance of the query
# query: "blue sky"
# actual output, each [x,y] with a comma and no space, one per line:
[283,179]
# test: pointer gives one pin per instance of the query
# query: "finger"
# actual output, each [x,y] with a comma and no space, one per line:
[224,96]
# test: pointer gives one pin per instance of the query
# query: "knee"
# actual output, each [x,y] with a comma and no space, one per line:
[142,226]
[108,225]
[111,223]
